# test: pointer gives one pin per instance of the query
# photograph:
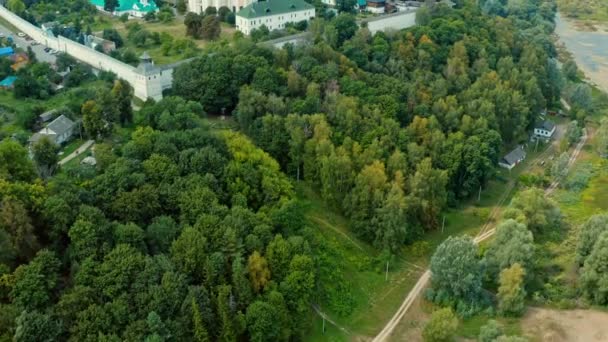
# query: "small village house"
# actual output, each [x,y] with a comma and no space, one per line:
[513,158]
[58,131]
[544,130]
[99,44]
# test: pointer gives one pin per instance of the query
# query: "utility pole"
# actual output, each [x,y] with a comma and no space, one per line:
[479,196]
[386,276]
[536,147]
[324,325]
[443,224]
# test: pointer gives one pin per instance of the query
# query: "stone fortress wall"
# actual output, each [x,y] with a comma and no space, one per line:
[145,85]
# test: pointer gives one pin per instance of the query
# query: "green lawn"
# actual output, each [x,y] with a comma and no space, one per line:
[175,29]
[71,147]
[375,299]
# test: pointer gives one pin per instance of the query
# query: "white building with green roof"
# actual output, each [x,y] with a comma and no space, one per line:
[273,13]
[134,8]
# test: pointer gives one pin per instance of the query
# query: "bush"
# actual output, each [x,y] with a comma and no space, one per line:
[490,332]
[511,293]
[579,178]
[441,327]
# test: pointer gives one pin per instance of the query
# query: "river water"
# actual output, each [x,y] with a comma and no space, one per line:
[590,50]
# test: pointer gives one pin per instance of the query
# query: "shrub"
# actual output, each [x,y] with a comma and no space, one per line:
[441,327]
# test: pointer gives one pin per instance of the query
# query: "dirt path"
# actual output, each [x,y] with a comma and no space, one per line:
[78,152]
[484,234]
[571,161]
[329,320]
[337,230]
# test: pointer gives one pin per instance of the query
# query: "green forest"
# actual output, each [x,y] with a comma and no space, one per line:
[190,230]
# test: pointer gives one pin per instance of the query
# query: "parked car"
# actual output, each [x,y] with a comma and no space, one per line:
[53,52]
[21,34]
[47,49]
[34,43]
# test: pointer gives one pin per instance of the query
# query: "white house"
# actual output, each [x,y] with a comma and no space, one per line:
[199,6]
[544,130]
[513,158]
[58,131]
[273,13]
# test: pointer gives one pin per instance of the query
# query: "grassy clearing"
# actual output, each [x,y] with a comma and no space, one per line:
[376,299]
[71,147]
[589,10]
[373,298]
[175,29]
[14,108]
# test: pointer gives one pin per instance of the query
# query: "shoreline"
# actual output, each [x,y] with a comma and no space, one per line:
[588,48]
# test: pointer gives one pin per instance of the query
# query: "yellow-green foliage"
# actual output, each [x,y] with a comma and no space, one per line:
[584,9]
[253,173]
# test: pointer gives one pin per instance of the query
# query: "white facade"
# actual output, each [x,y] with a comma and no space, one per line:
[544,133]
[199,6]
[375,10]
[329,2]
[273,22]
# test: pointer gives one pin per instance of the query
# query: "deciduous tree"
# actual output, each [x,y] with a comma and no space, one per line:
[590,232]
[210,27]
[259,274]
[45,156]
[457,275]
[513,244]
[511,292]
[536,211]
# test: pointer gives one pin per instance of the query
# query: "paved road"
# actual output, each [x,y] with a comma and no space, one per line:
[22,43]
[483,235]
[78,152]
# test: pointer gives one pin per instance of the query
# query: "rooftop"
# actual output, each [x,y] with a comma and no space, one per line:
[61,125]
[545,125]
[515,155]
[273,7]
[8,81]
[128,5]
[6,51]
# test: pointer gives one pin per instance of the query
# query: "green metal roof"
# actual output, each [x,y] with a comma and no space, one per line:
[128,5]
[273,7]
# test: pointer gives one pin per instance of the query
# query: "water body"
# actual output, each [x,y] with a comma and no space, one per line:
[590,50]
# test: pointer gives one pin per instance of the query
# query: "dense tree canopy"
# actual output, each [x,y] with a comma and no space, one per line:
[388,128]
[188,232]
